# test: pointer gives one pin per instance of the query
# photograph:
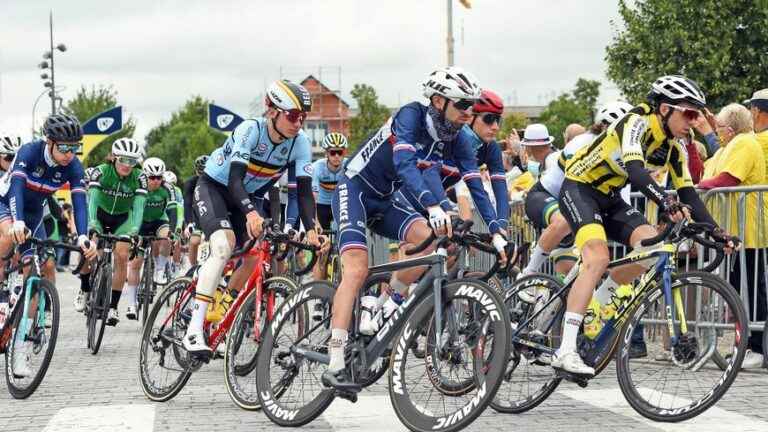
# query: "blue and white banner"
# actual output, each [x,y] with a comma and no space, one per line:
[222,119]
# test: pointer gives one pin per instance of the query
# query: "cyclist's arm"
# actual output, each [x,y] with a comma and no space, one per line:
[94,195]
[170,207]
[139,201]
[79,203]
[302,170]
[634,160]
[292,206]
[498,183]
[244,138]
[189,193]
[405,126]
[466,161]
[434,182]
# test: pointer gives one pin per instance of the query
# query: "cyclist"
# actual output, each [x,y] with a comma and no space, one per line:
[326,173]
[39,169]
[117,193]
[365,194]
[158,216]
[9,145]
[243,169]
[590,200]
[171,179]
[541,202]
[191,224]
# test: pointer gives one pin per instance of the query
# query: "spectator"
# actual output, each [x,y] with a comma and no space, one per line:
[572,131]
[740,162]
[758,106]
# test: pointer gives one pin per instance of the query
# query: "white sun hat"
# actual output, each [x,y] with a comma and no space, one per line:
[537,135]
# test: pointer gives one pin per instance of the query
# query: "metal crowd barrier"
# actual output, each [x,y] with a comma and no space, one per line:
[728,208]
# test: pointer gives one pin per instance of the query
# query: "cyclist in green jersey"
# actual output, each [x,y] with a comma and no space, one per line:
[159,215]
[171,179]
[117,193]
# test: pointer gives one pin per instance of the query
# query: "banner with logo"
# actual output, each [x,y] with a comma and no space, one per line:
[222,119]
[99,127]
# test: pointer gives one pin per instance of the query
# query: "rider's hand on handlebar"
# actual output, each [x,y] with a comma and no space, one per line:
[88,247]
[675,209]
[254,222]
[312,238]
[720,235]
[500,244]
[18,232]
[440,221]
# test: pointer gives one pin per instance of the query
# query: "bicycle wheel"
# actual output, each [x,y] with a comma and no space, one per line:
[242,345]
[98,307]
[479,336]
[147,289]
[288,383]
[687,384]
[42,329]
[164,366]
[529,379]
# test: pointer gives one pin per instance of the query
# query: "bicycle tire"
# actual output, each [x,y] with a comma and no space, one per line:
[491,320]
[52,297]
[176,287]
[99,308]
[293,311]
[146,298]
[722,383]
[281,287]
[519,312]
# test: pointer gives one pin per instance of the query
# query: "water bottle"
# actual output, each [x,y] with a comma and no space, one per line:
[369,315]
[593,322]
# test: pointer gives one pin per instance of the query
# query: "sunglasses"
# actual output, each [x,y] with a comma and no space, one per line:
[127,160]
[335,152]
[689,114]
[67,148]
[462,104]
[8,158]
[156,177]
[490,119]
[294,115]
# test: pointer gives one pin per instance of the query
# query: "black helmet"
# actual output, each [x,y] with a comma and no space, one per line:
[200,162]
[63,128]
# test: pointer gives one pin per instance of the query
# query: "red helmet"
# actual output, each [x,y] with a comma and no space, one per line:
[489,102]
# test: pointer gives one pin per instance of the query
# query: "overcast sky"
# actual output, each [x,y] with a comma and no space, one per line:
[156,53]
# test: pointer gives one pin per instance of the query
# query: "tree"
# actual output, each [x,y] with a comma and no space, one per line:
[575,107]
[511,121]
[370,116]
[89,102]
[720,45]
[179,141]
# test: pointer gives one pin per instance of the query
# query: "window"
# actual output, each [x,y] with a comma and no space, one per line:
[316,129]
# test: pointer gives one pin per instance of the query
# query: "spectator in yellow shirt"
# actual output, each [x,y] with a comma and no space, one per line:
[758,106]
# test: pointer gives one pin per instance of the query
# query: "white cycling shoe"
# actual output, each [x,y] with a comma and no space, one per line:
[21,361]
[571,362]
[131,312]
[79,301]
[194,343]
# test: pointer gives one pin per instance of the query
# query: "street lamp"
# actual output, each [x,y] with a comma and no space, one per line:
[48,56]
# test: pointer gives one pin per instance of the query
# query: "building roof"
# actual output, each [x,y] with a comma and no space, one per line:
[325,89]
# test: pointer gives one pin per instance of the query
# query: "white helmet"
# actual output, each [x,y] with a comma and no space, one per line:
[611,112]
[9,144]
[126,147]
[154,167]
[287,96]
[677,88]
[452,82]
[170,177]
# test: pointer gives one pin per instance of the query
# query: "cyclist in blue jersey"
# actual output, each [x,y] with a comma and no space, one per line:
[9,145]
[364,196]
[39,169]
[251,160]
[326,173]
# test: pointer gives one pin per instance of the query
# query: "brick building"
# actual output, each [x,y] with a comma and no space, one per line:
[330,113]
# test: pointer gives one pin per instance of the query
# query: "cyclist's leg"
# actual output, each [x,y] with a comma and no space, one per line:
[194,243]
[243,272]
[543,211]
[161,248]
[213,209]
[580,206]
[412,230]
[120,255]
[325,218]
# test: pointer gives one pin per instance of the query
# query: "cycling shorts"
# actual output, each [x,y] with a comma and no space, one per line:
[325,217]
[216,209]
[152,228]
[592,214]
[115,224]
[355,205]
[33,220]
[540,206]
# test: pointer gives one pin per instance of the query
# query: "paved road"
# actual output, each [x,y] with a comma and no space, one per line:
[101,393]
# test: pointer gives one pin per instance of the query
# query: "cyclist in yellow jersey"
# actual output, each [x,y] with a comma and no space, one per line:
[590,201]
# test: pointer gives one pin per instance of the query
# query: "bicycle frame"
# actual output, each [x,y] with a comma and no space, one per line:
[602,347]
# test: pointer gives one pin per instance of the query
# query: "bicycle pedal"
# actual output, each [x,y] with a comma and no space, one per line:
[348,395]
[580,380]
[201,357]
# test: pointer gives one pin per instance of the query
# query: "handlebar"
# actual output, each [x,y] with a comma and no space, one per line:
[275,236]
[61,245]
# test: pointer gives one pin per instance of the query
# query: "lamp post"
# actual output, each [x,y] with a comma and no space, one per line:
[49,56]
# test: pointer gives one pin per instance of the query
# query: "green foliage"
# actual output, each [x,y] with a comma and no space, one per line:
[370,116]
[513,120]
[721,45]
[577,106]
[89,102]
[184,137]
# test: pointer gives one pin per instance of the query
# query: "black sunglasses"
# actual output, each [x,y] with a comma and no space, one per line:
[8,158]
[462,104]
[156,177]
[490,118]
[335,152]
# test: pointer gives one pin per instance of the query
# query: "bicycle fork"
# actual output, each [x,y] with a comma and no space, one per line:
[25,323]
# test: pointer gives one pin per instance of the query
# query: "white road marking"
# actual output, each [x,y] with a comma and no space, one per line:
[113,418]
[370,413]
[712,420]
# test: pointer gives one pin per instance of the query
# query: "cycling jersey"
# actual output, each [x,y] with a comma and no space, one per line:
[250,144]
[552,174]
[160,204]
[638,136]
[179,207]
[188,200]
[116,195]
[34,176]
[324,180]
